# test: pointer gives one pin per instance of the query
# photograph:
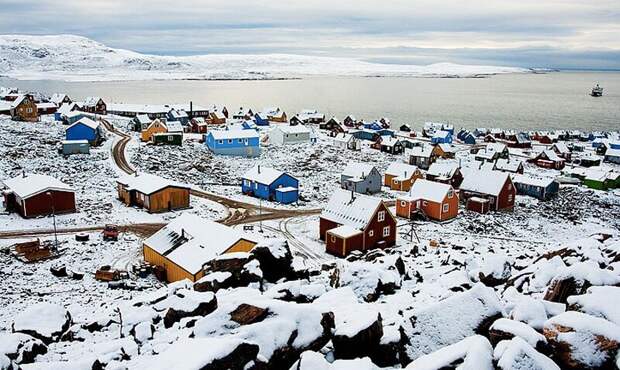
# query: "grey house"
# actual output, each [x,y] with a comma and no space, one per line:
[361,178]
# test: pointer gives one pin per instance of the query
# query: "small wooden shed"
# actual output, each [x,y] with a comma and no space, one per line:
[153,193]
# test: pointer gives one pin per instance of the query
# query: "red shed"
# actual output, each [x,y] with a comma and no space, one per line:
[38,195]
[495,186]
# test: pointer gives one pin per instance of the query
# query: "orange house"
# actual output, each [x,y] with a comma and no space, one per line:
[435,200]
[156,127]
[401,176]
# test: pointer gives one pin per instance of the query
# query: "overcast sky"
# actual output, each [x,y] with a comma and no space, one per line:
[530,33]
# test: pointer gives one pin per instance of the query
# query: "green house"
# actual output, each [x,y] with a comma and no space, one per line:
[597,180]
[168,138]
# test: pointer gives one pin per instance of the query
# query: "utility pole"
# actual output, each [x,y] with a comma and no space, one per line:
[260,214]
[49,194]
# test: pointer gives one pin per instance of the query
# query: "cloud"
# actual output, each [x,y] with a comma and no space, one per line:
[525,32]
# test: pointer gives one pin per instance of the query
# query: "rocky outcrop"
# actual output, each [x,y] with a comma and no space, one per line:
[44,321]
[352,340]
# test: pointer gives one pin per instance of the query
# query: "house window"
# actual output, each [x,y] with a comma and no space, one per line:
[381,216]
[424,203]
[371,233]
[446,207]
[239,140]
[220,141]
[333,239]
[403,203]
[170,137]
[510,198]
[245,141]
[394,181]
[450,194]
[229,141]
[386,231]
[28,110]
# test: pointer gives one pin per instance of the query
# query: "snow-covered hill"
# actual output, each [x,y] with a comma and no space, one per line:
[75,58]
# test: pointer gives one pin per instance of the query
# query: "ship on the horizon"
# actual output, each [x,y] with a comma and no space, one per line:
[597,91]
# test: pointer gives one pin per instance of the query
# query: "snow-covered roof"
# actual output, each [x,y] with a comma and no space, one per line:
[143,118]
[507,164]
[534,181]
[348,208]
[359,170]
[429,190]
[30,185]
[612,153]
[561,147]
[86,122]
[297,129]
[485,182]
[443,169]
[191,241]
[174,126]
[551,155]
[46,105]
[233,134]
[343,137]
[420,151]
[148,184]
[389,141]
[401,170]
[91,101]
[447,148]
[262,175]
[74,142]
[441,134]
[57,98]
[345,231]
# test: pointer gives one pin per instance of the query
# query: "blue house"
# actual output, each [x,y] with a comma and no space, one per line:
[72,117]
[469,139]
[540,188]
[461,134]
[270,184]
[249,125]
[442,137]
[373,126]
[178,115]
[614,144]
[261,119]
[85,129]
[243,143]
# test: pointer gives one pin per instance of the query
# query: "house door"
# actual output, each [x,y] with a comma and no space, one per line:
[417,204]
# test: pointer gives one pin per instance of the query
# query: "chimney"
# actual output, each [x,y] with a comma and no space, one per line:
[191,109]
[259,168]
[183,233]
[24,173]
[405,174]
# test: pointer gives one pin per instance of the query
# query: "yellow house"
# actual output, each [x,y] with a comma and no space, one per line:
[187,243]
[156,127]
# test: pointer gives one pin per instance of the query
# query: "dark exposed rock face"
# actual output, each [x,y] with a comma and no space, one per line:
[275,260]
[247,314]
[362,344]
[202,309]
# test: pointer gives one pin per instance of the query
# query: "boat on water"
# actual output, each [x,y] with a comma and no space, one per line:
[597,91]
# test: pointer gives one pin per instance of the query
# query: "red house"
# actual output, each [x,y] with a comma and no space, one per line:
[435,200]
[548,159]
[38,195]
[352,221]
[494,186]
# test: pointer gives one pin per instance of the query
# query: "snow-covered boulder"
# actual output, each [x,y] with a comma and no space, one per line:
[44,321]
[530,311]
[275,258]
[576,279]
[186,303]
[20,348]
[214,281]
[316,361]
[581,341]
[217,353]
[506,329]
[452,320]
[599,301]
[471,353]
[494,270]
[369,281]
[517,354]
[230,270]
[282,334]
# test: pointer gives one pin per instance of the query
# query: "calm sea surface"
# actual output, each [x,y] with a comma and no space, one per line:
[557,100]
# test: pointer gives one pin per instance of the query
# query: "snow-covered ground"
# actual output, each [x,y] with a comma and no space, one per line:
[75,58]
[429,292]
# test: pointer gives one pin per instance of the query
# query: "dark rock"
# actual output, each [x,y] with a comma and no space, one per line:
[361,344]
[21,348]
[202,308]
[275,260]
[59,271]
[247,314]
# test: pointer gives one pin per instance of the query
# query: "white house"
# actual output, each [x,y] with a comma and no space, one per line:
[282,135]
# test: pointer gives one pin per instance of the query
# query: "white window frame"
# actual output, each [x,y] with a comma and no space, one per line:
[220,141]
[381,216]
[450,193]
[386,231]
[333,239]
[371,233]
[403,203]
[446,208]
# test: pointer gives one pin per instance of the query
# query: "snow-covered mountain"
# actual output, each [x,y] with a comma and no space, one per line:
[75,58]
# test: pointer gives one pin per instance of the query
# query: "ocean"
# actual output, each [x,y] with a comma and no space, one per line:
[555,100]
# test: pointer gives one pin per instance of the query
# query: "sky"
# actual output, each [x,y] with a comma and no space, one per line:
[579,34]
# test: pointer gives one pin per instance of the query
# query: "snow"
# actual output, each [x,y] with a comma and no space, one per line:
[401,170]
[146,183]
[599,301]
[86,122]
[233,134]
[44,318]
[358,170]
[517,354]
[262,175]
[475,351]
[484,182]
[355,212]
[345,231]
[581,322]
[429,190]
[519,329]
[192,354]
[315,361]
[33,184]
